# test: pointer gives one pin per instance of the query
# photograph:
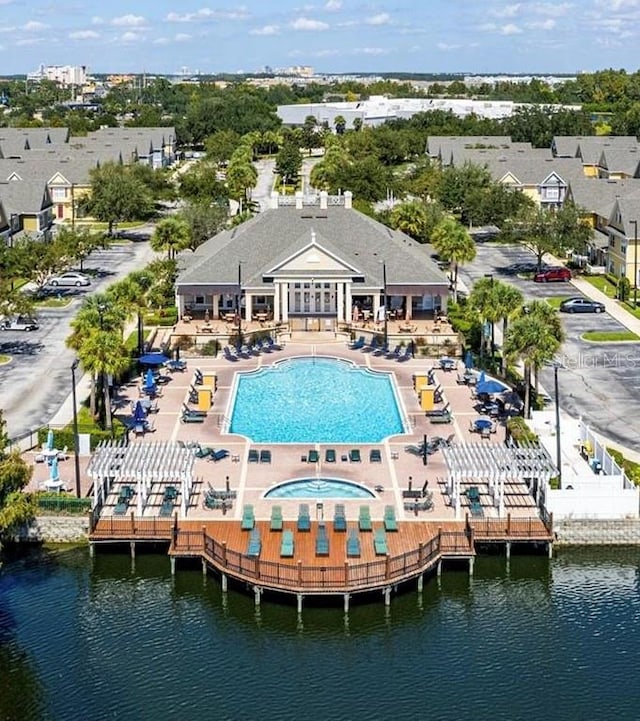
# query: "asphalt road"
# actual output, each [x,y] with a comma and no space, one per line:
[38,379]
[598,382]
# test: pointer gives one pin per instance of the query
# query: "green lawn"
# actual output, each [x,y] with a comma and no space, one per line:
[557,300]
[602,283]
[613,336]
[54,302]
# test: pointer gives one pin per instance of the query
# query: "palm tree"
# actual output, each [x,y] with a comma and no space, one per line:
[172,235]
[410,218]
[129,294]
[549,316]
[483,299]
[508,300]
[453,243]
[340,124]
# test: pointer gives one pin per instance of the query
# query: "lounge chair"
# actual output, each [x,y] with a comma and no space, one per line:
[265,455]
[219,454]
[380,542]
[375,456]
[304,519]
[254,456]
[193,411]
[353,544]
[372,347]
[407,354]
[354,455]
[254,546]
[339,518]
[248,519]
[390,523]
[358,344]
[202,451]
[395,353]
[313,456]
[271,344]
[439,411]
[444,418]
[121,507]
[383,349]
[229,354]
[191,418]
[166,509]
[330,455]
[276,518]
[364,519]
[286,545]
[322,541]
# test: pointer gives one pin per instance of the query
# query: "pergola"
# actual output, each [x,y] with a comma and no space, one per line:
[143,464]
[496,464]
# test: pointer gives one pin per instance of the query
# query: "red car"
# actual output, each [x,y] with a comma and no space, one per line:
[553,274]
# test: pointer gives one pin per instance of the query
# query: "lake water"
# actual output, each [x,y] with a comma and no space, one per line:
[532,639]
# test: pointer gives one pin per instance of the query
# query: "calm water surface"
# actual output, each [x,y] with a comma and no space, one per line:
[537,639]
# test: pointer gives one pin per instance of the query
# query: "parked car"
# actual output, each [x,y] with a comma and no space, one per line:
[553,274]
[581,305]
[19,323]
[70,278]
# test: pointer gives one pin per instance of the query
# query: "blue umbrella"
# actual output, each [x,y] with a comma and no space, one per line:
[153,359]
[468,360]
[481,378]
[139,414]
[54,473]
[50,440]
[149,380]
[491,386]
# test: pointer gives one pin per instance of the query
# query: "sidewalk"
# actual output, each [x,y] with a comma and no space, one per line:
[614,309]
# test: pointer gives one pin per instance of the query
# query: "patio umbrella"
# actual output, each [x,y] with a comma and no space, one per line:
[139,414]
[468,360]
[149,380]
[54,471]
[50,445]
[481,379]
[153,359]
[491,386]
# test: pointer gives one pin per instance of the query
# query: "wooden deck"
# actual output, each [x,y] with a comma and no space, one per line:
[415,548]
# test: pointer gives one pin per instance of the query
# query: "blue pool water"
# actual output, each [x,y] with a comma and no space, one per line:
[319,488]
[315,400]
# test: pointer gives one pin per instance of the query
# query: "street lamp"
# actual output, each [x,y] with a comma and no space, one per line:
[493,327]
[384,298]
[76,440]
[556,366]
[635,262]
[238,308]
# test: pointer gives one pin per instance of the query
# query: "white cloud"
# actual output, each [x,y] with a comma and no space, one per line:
[547,24]
[33,26]
[84,35]
[240,13]
[307,24]
[161,41]
[97,20]
[370,51]
[333,6]
[265,30]
[446,46]
[129,21]
[379,19]
[510,29]
[29,41]
[182,37]
[556,9]
[130,37]
[508,11]
[8,29]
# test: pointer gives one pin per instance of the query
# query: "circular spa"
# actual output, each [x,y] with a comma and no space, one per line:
[315,400]
[319,488]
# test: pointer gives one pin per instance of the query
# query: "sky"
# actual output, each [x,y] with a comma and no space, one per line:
[332,36]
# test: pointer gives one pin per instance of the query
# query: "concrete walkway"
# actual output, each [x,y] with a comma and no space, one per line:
[614,309]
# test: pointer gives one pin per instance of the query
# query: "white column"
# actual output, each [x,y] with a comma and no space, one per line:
[407,305]
[376,305]
[347,301]
[340,302]
[284,294]
[276,302]
[248,305]
[216,305]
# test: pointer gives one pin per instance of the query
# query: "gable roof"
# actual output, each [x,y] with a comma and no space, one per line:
[24,198]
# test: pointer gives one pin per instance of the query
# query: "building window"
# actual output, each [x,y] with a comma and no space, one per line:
[58,194]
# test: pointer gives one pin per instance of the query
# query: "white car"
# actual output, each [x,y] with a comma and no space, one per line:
[70,279]
[19,323]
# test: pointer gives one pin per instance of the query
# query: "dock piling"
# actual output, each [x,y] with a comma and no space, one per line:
[345,598]
[299,597]
[224,581]
[387,596]
[172,562]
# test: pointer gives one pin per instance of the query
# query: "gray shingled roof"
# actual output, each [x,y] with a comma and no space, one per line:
[276,234]
[24,198]
[591,148]
[483,156]
[629,207]
[437,144]
[570,145]
[533,170]
[596,195]
[621,160]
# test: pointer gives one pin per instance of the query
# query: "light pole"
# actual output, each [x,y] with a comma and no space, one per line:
[76,440]
[556,366]
[384,297]
[493,327]
[635,263]
[239,316]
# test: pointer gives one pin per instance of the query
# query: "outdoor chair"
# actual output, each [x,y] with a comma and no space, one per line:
[190,418]
[265,455]
[313,456]
[166,509]
[286,546]
[248,519]
[358,344]
[219,455]
[63,455]
[276,518]
[380,542]
[322,541]
[364,519]
[354,455]
[390,522]
[254,456]
[375,456]
[339,518]
[330,455]
[254,546]
[304,519]
[353,544]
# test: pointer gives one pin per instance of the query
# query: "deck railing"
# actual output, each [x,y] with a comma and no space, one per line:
[350,575]
[131,528]
[509,528]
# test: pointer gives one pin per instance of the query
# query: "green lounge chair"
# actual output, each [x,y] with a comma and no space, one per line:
[170,493]
[248,519]
[254,546]
[354,455]
[265,455]
[322,541]
[313,456]
[353,544]
[276,518]
[375,456]
[339,518]
[390,522]
[286,545]
[253,456]
[364,519]
[121,507]
[166,509]
[380,542]
[304,519]
[330,455]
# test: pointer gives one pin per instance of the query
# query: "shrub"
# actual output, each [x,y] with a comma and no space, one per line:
[519,431]
[631,468]
[624,288]
[184,342]
[210,348]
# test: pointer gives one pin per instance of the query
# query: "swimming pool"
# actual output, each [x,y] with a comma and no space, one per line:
[319,488]
[315,400]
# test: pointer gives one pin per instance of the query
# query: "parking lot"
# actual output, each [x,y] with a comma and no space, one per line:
[38,379]
[599,382]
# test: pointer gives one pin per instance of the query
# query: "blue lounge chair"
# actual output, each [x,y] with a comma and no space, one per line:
[382,350]
[271,344]
[390,522]
[229,354]
[372,347]
[254,456]
[364,519]
[248,519]
[254,546]
[330,455]
[407,353]
[395,353]
[322,541]
[265,455]
[353,544]
[219,454]
[354,455]
[358,344]
[304,519]
[380,542]
[276,518]
[286,546]
[339,518]
[313,456]
[166,509]
[375,456]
